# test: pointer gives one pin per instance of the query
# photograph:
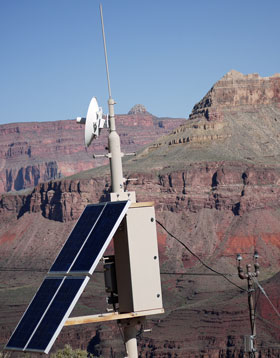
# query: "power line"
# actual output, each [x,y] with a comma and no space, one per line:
[267,321]
[195,274]
[22,269]
[265,294]
[199,259]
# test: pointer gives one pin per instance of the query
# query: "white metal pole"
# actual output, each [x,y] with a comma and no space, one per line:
[130,332]
[115,154]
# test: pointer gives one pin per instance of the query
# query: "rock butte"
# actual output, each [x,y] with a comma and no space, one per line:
[215,181]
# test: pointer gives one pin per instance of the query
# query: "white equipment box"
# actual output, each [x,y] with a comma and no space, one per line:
[137,260]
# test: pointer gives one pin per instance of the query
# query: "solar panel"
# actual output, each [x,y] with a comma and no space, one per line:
[57,296]
[46,314]
[90,238]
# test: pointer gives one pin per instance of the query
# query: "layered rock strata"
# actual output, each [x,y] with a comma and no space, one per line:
[36,152]
[237,120]
[216,209]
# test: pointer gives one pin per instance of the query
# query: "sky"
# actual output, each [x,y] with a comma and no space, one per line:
[163,54]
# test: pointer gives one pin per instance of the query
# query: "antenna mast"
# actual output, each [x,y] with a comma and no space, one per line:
[105,51]
[115,153]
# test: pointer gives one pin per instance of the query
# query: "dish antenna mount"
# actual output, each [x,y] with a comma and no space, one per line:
[95,121]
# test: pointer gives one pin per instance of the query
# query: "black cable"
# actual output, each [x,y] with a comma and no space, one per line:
[121,334]
[267,322]
[266,296]
[16,269]
[22,269]
[118,323]
[194,274]
[198,258]
[4,269]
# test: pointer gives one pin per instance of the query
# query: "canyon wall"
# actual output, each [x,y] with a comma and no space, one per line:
[37,152]
[217,209]
[215,182]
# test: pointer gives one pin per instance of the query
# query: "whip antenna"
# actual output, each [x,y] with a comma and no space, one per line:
[94,122]
[105,51]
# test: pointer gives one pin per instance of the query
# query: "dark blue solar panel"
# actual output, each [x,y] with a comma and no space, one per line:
[57,296]
[56,314]
[34,313]
[77,238]
[100,237]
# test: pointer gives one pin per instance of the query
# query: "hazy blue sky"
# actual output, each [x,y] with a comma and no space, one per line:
[163,54]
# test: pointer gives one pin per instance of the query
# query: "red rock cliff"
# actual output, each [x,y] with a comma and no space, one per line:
[36,152]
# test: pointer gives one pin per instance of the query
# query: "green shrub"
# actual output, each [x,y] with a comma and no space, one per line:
[68,352]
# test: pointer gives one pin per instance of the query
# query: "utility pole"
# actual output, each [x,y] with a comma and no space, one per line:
[249,341]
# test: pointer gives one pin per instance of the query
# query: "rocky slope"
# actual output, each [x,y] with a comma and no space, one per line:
[36,152]
[198,205]
[209,194]
[237,120]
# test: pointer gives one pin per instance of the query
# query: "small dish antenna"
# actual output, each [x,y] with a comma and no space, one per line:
[94,121]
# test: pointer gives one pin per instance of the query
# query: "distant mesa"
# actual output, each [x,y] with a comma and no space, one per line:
[138,109]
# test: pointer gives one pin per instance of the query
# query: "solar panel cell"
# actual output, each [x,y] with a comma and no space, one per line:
[102,233]
[54,318]
[77,238]
[34,313]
